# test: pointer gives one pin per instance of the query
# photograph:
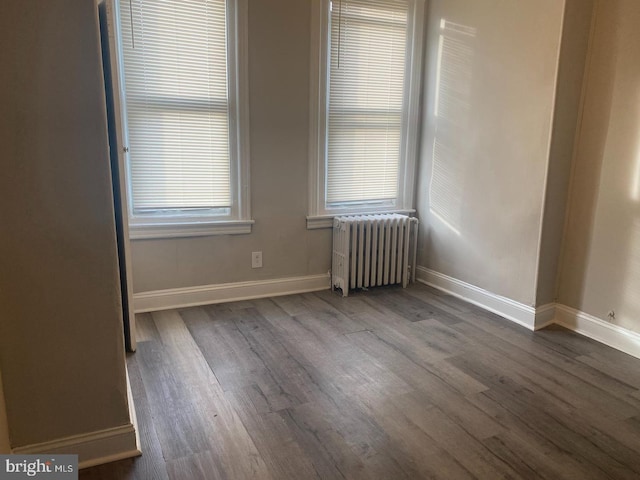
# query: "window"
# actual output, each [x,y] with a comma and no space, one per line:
[366,57]
[183,105]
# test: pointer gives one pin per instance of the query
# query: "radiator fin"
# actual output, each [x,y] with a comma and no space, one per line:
[373,250]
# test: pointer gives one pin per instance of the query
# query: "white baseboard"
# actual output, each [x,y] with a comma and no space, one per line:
[94,448]
[600,330]
[227,292]
[536,318]
[132,416]
[519,313]
[545,316]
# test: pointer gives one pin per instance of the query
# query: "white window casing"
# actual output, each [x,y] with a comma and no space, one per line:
[180,77]
[366,60]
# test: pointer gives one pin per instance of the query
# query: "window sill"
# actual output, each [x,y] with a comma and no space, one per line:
[315,222]
[195,229]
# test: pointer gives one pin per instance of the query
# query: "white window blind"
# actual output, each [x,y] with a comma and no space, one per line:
[175,81]
[368,50]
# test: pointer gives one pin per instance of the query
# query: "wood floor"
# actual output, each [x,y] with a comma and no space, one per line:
[387,384]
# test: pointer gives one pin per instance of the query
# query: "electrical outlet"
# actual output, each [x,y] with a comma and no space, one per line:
[256,259]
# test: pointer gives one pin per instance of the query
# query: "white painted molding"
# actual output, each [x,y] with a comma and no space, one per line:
[227,292]
[94,448]
[318,97]
[595,328]
[319,221]
[519,313]
[239,113]
[132,411]
[600,330]
[544,316]
[184,229]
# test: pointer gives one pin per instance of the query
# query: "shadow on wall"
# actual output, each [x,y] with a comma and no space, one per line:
[601,265]
[630,301]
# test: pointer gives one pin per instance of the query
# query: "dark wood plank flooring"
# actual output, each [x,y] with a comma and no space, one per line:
[386,384]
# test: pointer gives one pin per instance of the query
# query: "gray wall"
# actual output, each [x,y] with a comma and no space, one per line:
[481,189]
[279,123]
[575,41]
[600,269]
[61,346]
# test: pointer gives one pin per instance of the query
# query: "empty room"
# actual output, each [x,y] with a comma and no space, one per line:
[320,239]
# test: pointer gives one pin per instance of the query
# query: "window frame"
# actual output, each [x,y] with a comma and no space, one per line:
[319,215]
[186,224]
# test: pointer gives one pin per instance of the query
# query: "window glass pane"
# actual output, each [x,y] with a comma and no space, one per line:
[366,92]
[175,69]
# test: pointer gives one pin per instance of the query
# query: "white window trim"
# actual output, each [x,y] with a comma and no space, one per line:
[319,216]
[172,226]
